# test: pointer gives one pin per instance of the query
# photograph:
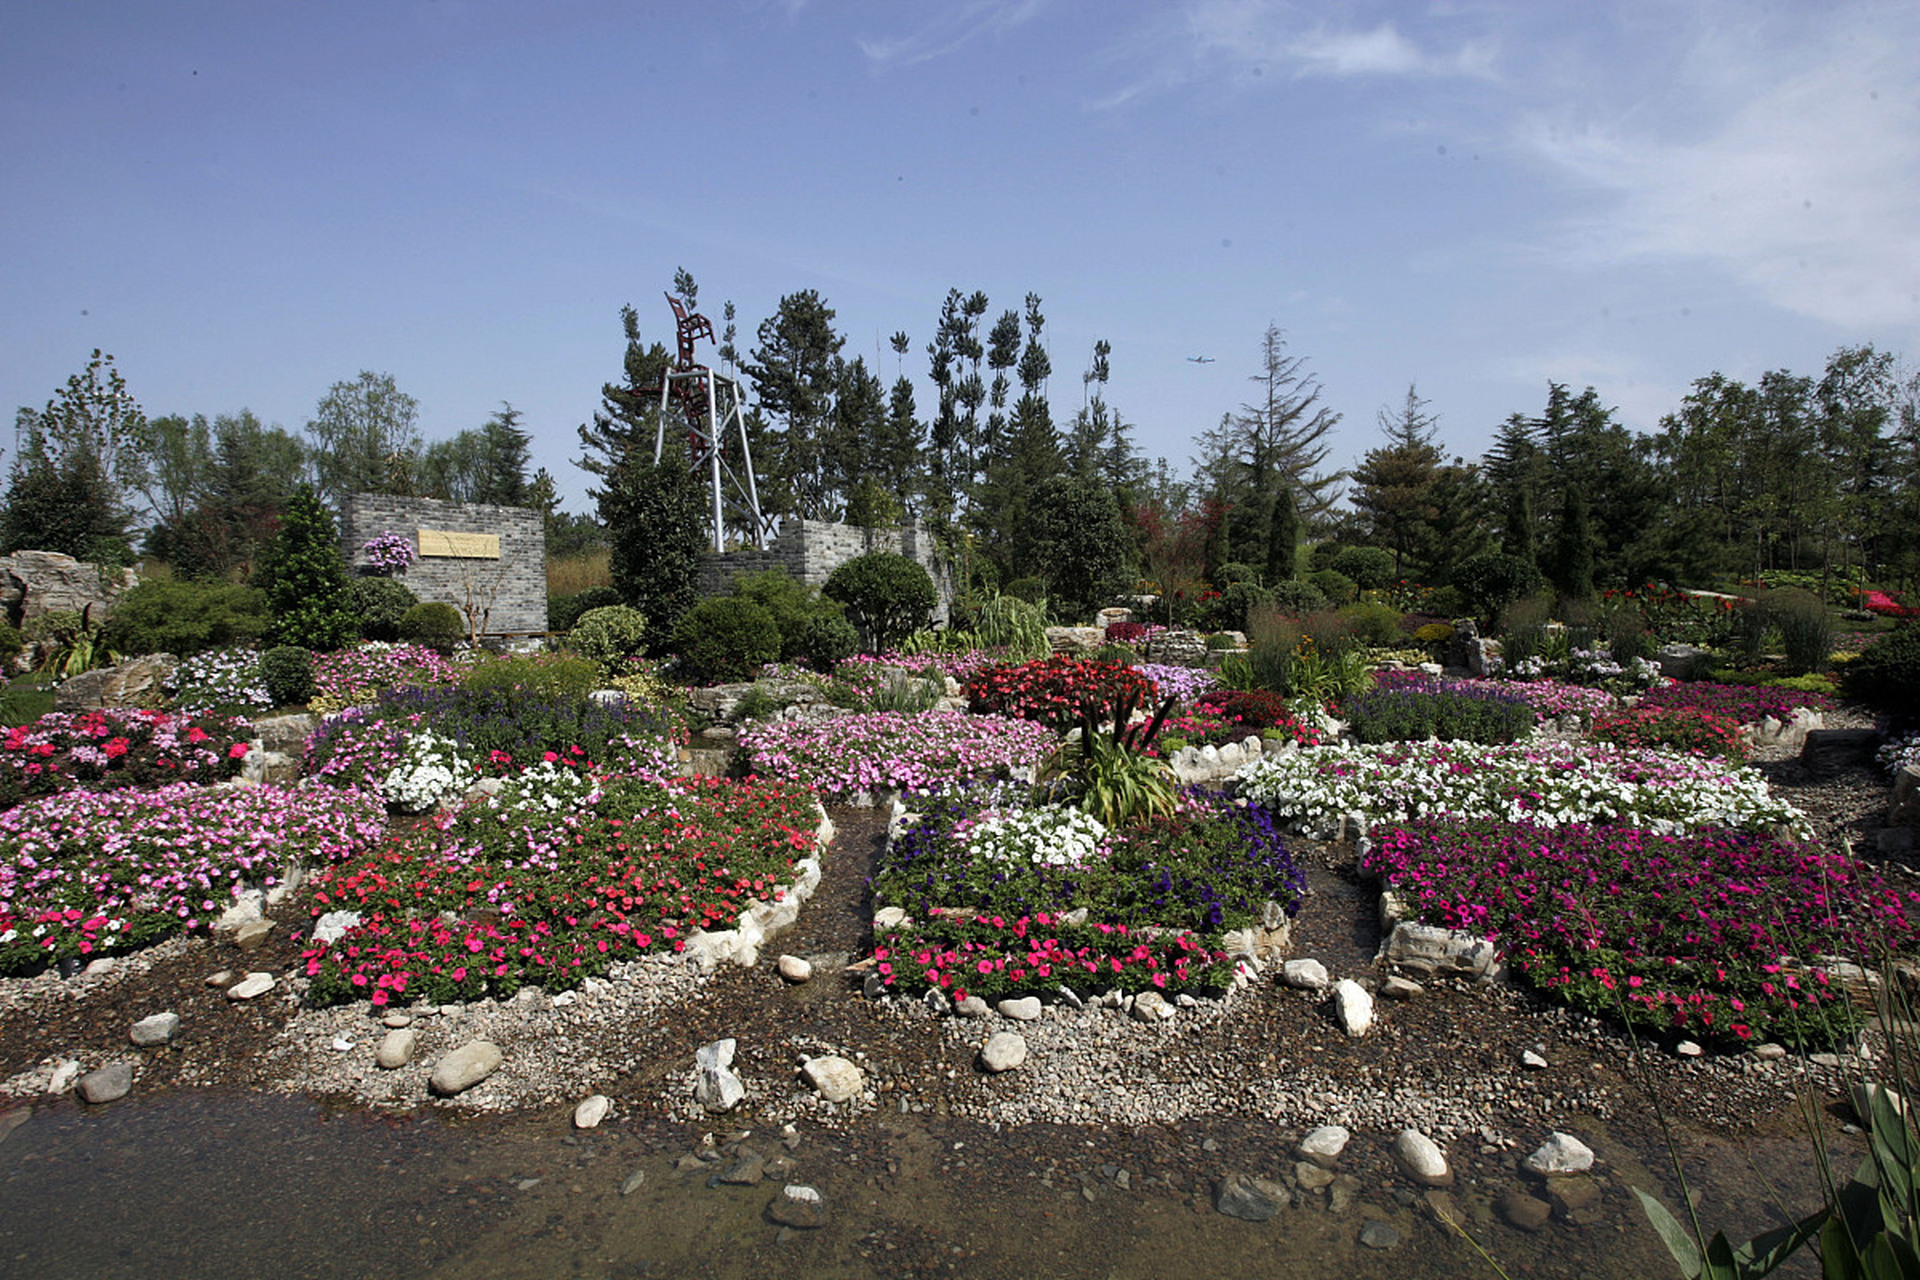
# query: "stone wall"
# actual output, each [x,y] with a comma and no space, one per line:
[509,593]
[809,550]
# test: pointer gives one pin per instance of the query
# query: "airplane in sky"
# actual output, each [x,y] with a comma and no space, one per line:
[1200,359]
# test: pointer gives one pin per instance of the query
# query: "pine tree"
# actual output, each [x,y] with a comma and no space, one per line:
[625,423]
[305,578]
[656,521]
[1394,485]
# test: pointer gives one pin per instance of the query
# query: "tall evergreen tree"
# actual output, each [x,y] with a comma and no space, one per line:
[1394,486]
[796,373]
[1283,537]
[305,577]
[656,520]
[629,410]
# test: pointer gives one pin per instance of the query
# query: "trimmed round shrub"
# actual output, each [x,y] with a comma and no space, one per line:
[1297,599]
[828,640]
[1235,571]
[726,638]
[787,601]
[1237,600]
[609,635]
[380,603]
[435,624]
[564,611]
[1371,568]
[184,618]
[1886,675]
[1032,590]
[1493,580]
[887,596]
[1336,586]
[287,672]
[1373,624]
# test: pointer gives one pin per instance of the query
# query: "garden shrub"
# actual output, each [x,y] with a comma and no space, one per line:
[380,603]
[1886,675]
[435,624]
[1373,624]
[1452,715]
[1235,604]
[1493,580]
[787,601]
[1434,634]
[829,639]
[565,610]
[1370,568]
[1032,590]
[163,615]
[887,597]
[1298,599]
[727,638]
[556,676]
[609,635]
[1073,533]
[1337,587]
[1016,625]
[1235,571]
[287,672]
[305,578]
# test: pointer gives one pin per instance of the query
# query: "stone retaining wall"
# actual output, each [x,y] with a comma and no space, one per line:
[810,550]
[509,593]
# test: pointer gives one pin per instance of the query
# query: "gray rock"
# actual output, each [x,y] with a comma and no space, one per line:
[285,734]
[250,987]
[1305,975]
[887,919]
[397,1048]
[1431,949]
[1311,1176]
[834,1078]
[465,1067]
[1151,1006]
[592,1110]
[1324,1145]
[794,969]
[746,1169]
[715,1085]
[155,1029]
[1770,1052]
[1245,1198]
[136,682]
[109,1084]
[973,1007]
[1561,1154]
[1379,1235]
[1421,1159]
[1399,988]
[1003,1051]
[1827,751]
[801,1208]
[1353,1007]
[1688,1049]
[11,1120]
[33,583]
[1024,1009]
[1532,1061]
[333,926]
[1904,811]
[1522,1210]
[633,1182]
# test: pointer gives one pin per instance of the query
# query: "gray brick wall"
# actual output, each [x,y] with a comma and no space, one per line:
[810,550]
[516,582]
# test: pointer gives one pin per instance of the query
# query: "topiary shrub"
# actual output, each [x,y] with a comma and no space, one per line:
[435,624]
[828,640]
[380,603]
[564,611]
[887,596]
[726,638]
[787,601]
[1886,675]
[287,672]
[184,618]
[609,636]
[1371,568]
[1297,599]
[1235,571]
[1230,610]
[1336,586]
[1493,580]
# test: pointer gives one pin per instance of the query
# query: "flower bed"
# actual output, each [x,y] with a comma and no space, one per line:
[355,677]
[1683,931]
[1741,703]
[492,732]
[1184,683]
[1004,899]
[106,750]
[1550,699]
[500,896]
[1060,691]
[88,874]
[843,755]
[1221,716]
[1415,714]
[1551,783]
[219,678]
[1689,729]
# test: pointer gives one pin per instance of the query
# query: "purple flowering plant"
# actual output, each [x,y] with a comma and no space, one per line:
[389,552]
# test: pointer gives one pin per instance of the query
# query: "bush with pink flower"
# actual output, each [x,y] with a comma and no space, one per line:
[841,756]
[109,749]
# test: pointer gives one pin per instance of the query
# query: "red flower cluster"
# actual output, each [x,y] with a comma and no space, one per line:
[1059,691]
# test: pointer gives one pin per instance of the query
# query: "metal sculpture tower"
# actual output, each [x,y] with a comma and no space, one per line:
[711,403]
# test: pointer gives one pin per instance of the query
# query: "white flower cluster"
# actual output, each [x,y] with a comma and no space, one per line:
[548,788]
[1047,837]
[1547,783]
[430,770]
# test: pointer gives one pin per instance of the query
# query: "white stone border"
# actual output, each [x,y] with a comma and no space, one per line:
[762,919]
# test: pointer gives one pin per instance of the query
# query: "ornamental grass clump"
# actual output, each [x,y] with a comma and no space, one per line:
[500,896]
[114,748]
[1006,898]
[841,757]
[1546,782]
[1683,933]
[87,874]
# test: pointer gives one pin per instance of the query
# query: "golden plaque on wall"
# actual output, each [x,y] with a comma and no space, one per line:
[462,546]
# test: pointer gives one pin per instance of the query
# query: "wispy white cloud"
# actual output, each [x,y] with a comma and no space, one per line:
[1796,170]
[954,26]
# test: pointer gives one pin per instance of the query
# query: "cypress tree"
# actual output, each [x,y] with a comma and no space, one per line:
[305,578]
[1283,537]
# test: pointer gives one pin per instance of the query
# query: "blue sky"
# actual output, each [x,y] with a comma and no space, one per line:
[245,203]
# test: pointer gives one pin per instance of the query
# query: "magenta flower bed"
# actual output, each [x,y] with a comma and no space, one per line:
[892,750]
[1746,704]
[1683,933]
[1548,698]
[87,874]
